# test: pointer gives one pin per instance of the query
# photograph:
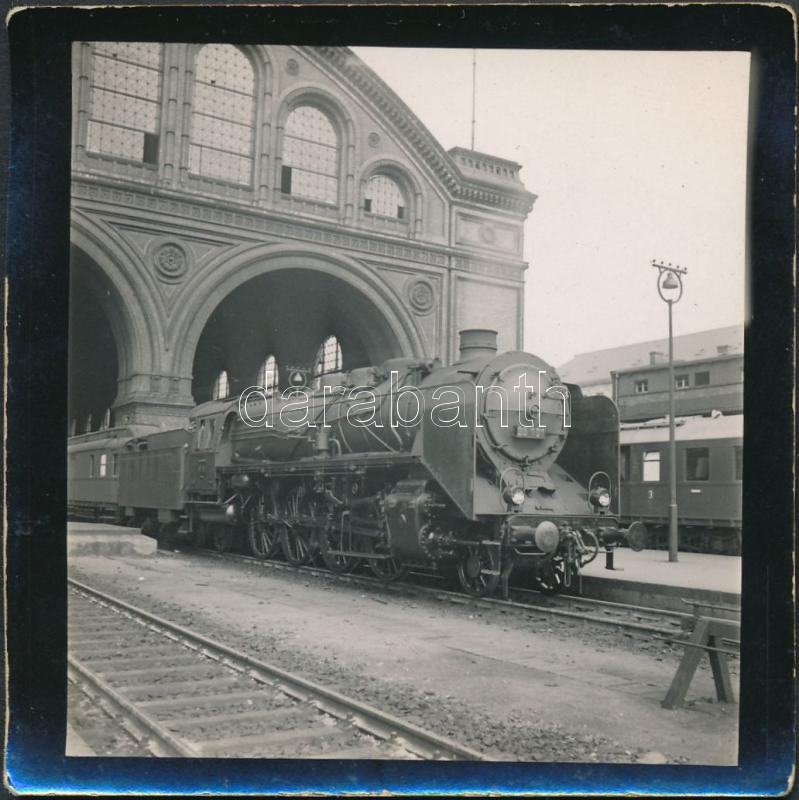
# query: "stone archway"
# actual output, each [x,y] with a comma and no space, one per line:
[133,314]
[283,301]
[111,300]
[95,344]
[288,313]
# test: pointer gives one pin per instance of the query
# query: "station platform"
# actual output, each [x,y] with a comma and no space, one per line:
[99,538]
[648,578]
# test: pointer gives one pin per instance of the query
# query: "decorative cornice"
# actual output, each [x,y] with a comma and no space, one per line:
[413,130]
[498,269]
[132,199]
[225,212]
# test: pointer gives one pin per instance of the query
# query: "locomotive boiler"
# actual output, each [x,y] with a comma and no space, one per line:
[478,467]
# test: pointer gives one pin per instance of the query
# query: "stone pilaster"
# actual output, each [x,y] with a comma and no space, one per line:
[149,399]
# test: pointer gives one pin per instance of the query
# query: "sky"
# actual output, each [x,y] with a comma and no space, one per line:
[633,156]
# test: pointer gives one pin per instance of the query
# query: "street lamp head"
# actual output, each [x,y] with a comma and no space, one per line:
[669,286]
[670,282]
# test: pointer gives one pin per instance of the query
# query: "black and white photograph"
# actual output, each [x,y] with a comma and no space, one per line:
[406,403]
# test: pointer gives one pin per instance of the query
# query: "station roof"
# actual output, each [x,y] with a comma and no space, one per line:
[595,366]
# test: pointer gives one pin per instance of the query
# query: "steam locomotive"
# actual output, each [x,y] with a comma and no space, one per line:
[479,467]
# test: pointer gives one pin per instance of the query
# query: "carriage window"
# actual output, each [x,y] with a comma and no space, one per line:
[115,465]
[697,464]
[310,156]
[641,387]
[222,115]
[221,387]
[384,197]
[701,379]
[267,376]
[624,462]
[739,462]
[103,464]
[681,382]
[91,466]
[651,465]
[125,100]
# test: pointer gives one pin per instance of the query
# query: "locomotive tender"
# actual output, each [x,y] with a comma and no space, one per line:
[480,466]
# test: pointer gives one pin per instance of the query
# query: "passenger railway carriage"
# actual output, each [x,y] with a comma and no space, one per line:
[93,472]
[709,480]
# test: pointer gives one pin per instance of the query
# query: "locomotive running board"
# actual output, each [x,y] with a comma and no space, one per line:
[347,464]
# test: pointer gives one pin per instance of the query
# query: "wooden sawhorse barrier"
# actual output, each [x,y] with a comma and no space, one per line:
[708,635]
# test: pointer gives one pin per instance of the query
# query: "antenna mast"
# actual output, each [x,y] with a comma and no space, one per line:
[474,89]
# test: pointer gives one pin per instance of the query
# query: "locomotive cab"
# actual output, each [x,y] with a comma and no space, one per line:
[209,445]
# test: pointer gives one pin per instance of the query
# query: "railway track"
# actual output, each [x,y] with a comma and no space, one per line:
[639,620]
[182,694]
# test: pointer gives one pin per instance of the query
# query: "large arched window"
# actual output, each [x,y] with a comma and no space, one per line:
[384,197]
[222,114]
[328,359]
[222,386]
[125,100]
[267,375]
[310,156]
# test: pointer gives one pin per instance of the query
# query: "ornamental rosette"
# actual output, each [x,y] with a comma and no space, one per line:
[170,262]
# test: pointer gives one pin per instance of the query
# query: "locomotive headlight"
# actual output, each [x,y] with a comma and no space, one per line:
[514,495]
[547,536]
[600,498]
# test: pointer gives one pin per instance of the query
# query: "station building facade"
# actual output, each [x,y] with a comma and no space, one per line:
[240,211]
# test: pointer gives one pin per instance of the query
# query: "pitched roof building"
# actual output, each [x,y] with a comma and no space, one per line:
[592,370]
[708,374]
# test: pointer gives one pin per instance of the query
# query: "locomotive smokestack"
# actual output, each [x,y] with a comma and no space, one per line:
[476,342]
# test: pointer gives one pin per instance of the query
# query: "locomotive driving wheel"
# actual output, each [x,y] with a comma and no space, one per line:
[298,539]
[334,542]
[384,566]
[387,569]
[478,569]
[263,537]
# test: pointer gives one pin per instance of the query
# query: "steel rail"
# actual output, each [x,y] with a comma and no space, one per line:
[143,727]
[367,718]
[548,607]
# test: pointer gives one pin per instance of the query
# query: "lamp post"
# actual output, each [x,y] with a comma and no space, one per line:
[670,289]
